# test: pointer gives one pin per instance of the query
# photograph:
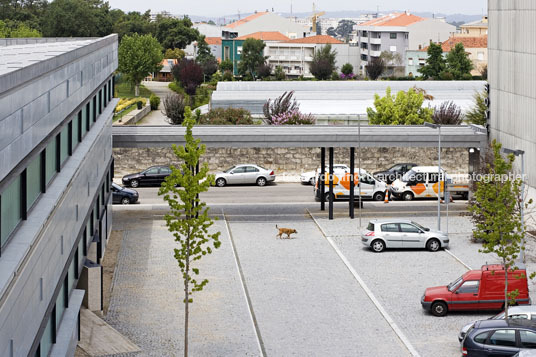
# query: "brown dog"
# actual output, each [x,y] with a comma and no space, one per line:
[287,231]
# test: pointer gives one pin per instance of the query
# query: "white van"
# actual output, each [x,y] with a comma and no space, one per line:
[420,181]
[370,186]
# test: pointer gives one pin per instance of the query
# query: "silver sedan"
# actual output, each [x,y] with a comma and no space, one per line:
[244,174]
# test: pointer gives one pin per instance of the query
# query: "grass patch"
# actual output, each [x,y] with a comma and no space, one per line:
[125,90]
[124,112]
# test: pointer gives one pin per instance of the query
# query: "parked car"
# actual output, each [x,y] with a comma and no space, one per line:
[401,233]
[527,312]
[152,176]
[370,187]
[394,172]
[123,195]
[309,177]
[244,174]
[499,338]
[481,289]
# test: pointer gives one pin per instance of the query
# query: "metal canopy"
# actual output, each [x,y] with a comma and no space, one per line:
[301,136]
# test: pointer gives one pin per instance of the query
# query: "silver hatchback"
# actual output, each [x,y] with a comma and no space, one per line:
[401,233]
[244,174]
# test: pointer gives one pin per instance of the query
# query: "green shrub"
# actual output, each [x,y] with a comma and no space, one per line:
[280,73]
[154,101]
[335,76]
[227,76]
[347,68]
[226,65]
[227,116]
[174,106]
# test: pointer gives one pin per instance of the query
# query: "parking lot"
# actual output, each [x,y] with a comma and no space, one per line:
[319,293]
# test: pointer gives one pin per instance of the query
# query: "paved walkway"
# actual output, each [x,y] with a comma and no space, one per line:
[155,117]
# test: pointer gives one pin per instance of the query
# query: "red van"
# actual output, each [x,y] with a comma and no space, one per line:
[476,290]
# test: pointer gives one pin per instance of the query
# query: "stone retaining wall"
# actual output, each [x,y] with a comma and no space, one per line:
[292,161]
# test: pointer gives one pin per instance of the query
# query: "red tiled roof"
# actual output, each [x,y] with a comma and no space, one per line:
[245,19]
[213,40]
[265,36]
[468,42]
[396,19]
[316,39]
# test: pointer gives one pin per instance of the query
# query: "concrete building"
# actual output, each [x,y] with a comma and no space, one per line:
[512,79]
[295,56]
[398,33]
[56,111]
[475,28]
[267,22]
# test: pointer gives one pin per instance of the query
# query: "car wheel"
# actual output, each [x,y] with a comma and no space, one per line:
[125,201]
[134,183]
[221,182]
[407,196]
[378,196]
[433,245]
[377,246]
[261,181]
[439,308]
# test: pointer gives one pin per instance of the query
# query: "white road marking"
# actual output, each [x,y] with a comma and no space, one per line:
[371,296]
[458,259]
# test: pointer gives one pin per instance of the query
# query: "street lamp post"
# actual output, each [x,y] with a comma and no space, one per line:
[522,154]
[437,126]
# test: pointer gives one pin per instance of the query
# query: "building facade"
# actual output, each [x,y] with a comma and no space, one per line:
[475,28]
[512,78]
[267,21]
[56,107]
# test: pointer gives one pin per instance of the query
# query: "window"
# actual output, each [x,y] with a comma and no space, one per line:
[392,35]
[71,274]
[481,338]
[48,337]
[165,170]
[64,144]
[239,50]
[366,179]
[33,181]
[469,287]
[92,112]
[226,53]
[409,228]
[84,127]
[480,56]
[370,227]
[390,227]
[528,338]
[99,102]
[406,35]
[60,304]
[10,202]
[519,316]
[152,171]
[410,61]
[51,161]
[74,132]
[251,169]
[239,170]
[503,338]
[392,48]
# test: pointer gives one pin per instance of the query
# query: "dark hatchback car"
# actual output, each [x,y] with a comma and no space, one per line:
[123,195]
[153,176]
[394,172]
[499,338]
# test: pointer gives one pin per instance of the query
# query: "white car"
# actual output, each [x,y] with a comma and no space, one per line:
[244,174]
[309,177]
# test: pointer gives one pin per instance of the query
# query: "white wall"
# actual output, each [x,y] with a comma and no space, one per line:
[347,54]
[271,22]
[420,33]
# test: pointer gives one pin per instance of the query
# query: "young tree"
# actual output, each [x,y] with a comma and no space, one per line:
[138,57]
[264,70]
[279,73]
[375,68]
[203,50]
[435,63]
[496,206]
[403,109]
[226,65]
[323,63]
[458,62]
[477,114]
[209,67]
[189,74]
[345,28]
[174,108]
[448,113]
[252,57]
[188,219]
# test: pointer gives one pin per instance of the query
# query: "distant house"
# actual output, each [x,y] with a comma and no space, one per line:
[399,32]
[295,56]
[475,28]
[267,22]
[165,74]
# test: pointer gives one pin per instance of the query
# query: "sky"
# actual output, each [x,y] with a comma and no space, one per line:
[217,8]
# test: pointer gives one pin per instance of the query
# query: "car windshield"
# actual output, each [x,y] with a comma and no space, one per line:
[408,176]
[229,169]
[116,186]
[499,316]
[418,225]
[455,284]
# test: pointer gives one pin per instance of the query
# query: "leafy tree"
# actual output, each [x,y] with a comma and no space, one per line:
[174,108]
[264,71]
[331,32]
[496,214]
[391,58]
[175,33]
[448,113]
[175,53]
[210,67]
[477,114]
[20,30]
[345,28]
[188,219]
[403,109]
[226,65]
[347,69]
[77,18]
[435,63]
[279,73]
[203,50]
[189,74]
[138,57]
[375,68]
[323,63]
[252,57]
[282,104]
[484,72]
[458,62]
[132,22]
[227,76]
[27,12]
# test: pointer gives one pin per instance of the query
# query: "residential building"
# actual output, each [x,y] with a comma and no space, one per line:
[475,28]
[475,47]
[56,111]
[232,45]
[212,36]
[267,22]
[165,74]
[512,78]
[295,56]
[398,33]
